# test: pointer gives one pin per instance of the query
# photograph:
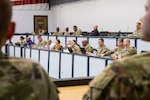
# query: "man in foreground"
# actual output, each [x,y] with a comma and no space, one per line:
[128,78]
[20,79]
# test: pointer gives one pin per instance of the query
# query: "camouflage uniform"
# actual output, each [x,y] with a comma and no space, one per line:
[76,49]
[128,51]
[58,33]
[22,43]
[78,32]
[102,50]
[118,49]
[42,43]
[125,79]
[88,48]
[23,79]
[136,33]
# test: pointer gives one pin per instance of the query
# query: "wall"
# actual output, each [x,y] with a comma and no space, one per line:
[25,20]
[110,15]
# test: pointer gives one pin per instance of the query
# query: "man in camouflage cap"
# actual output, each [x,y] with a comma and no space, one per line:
[127,78]
[20,79]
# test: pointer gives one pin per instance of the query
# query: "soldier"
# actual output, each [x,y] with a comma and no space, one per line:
[87,47]
[20,79]
[102,47]
[77,31]
[42,43]
[137,32]
[119,48]
[73,47]
[127,51]
[127,78]
[58,32]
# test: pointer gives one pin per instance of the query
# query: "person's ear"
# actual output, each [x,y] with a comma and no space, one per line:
[11,30]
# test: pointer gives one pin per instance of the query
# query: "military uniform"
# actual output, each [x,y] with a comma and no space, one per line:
[102,50]
[78,32]
[24,79]
[76,49]
[58,33]
[42,43]
[88,48]
[118,49]
[128,51]
[22,43]
[136,33]
[125,79]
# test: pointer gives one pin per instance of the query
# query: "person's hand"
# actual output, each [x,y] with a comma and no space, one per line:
[114,56]
[119,57]
[117,53]
[102,55]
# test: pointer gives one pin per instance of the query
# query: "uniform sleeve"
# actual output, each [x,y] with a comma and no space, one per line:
[53,92]
[98,85]
[130,51]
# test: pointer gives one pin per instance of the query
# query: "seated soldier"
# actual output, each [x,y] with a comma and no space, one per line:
[22,42]
[42,43]
[119,48]
[127,51]
[77,31]
[137,32]
[101,49]
[87,46]
[73,47]
[58,32]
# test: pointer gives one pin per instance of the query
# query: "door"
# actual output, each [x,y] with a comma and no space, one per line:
[40,22]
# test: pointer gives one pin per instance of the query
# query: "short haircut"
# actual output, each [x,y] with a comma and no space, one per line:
[101,39]
[58,41]
[120,40]
[75,26]
[22,37]
[139,23]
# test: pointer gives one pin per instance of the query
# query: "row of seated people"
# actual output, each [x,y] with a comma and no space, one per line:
[123,48]
[94,32]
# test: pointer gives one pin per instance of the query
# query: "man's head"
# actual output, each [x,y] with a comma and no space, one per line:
[120,42]
[84,42]
[145,28]
[21,38]
[75,28]
[40,38]
[138,25]
[67,29]
[28,38]
[49,42]
[57,29]
[126,42]
[95,27]
[7,27]
[72,43]
[101,42]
